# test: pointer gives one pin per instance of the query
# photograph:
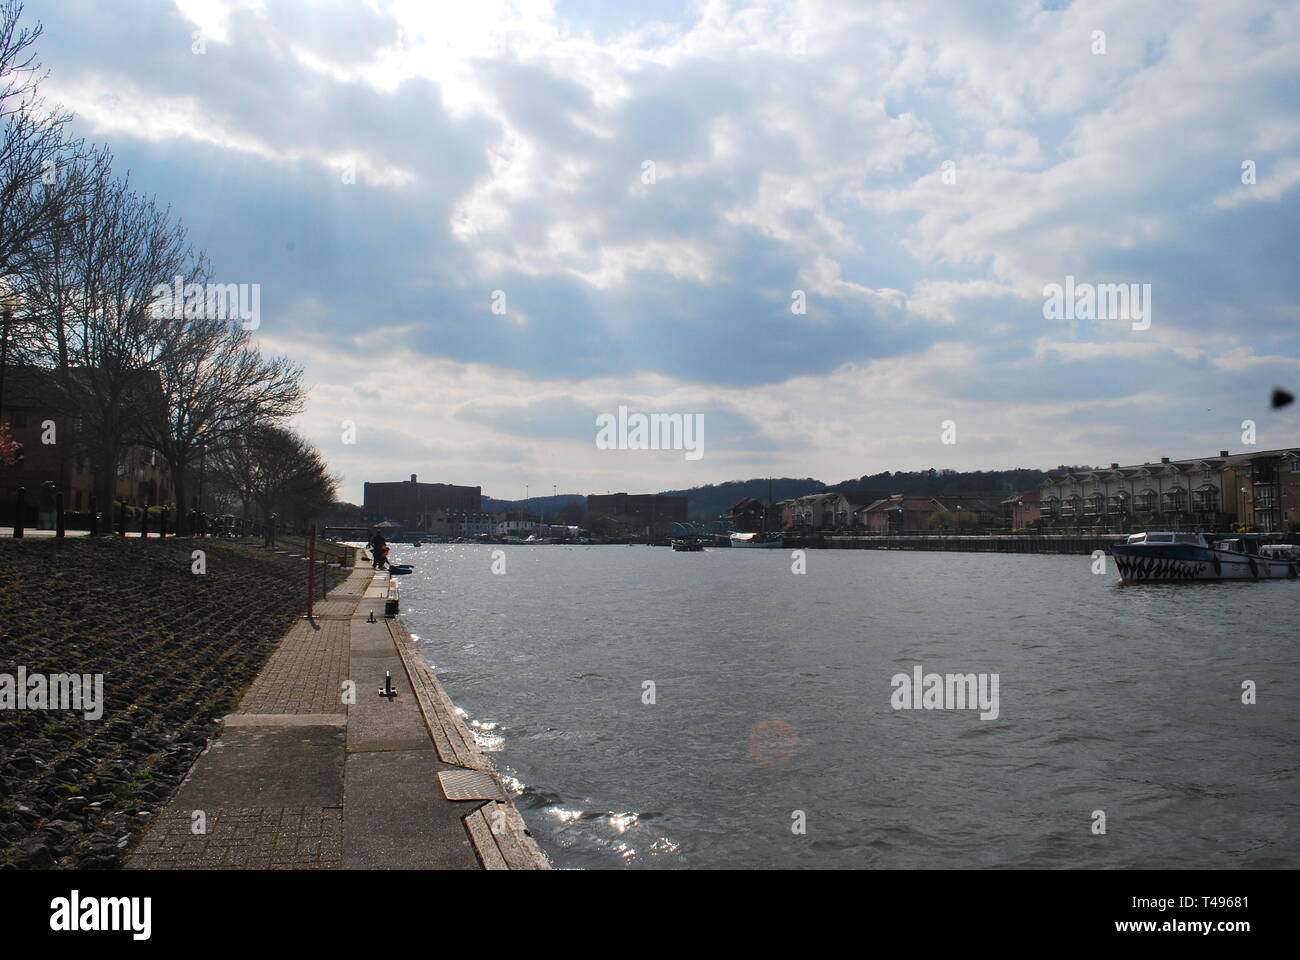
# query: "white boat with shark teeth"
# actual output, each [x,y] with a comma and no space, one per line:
[1165,556]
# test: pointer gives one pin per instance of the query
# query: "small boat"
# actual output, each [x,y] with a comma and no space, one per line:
[1166,556]
[768,540]
[418,543]
[688,546]
[399,569]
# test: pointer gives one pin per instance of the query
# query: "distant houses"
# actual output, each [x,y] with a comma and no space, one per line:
[1259,491]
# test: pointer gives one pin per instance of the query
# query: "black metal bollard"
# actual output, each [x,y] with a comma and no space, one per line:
[94,516]
[59,529]
[162,517]
[18,517]
[144,523]
[121,518]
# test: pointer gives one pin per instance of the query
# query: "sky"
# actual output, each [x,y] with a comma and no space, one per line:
[827,228]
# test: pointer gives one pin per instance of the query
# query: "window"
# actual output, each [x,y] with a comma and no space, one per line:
[1295,466]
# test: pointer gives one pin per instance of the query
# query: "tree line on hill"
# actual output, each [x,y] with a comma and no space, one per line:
[711,500]
[84,257]
[940,483]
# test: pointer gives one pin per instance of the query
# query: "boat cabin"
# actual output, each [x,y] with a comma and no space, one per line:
[1195,539]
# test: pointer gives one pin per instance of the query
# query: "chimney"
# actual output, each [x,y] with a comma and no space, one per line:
[1162,460]
[1223,453]
[413,478]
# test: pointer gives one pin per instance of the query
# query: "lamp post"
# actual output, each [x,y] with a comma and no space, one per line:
[203,459]
[9,302]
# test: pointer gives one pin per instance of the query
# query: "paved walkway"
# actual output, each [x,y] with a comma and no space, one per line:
[317,770]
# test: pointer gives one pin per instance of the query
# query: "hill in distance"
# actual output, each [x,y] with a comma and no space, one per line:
[709,501]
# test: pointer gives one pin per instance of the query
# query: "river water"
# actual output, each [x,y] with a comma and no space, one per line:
[772,705]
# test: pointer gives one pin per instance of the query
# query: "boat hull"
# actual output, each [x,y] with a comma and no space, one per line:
[1148,563]
[754,541]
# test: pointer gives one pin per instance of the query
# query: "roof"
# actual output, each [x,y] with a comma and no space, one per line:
[1173,466]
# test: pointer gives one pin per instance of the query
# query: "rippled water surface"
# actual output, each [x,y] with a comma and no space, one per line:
[773,696]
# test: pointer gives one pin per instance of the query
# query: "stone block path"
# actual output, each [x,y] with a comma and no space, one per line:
[316,770]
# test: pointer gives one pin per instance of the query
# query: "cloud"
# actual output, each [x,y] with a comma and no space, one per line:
[383,168]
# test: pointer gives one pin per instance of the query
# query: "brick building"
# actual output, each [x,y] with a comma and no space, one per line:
[142,476]
[414,504]
[644,508]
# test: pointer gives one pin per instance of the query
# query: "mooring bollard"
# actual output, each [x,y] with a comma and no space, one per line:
[387,690]
[18,516]
[94,516]
[59,530]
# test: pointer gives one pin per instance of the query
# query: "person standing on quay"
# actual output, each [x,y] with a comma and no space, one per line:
[46,513]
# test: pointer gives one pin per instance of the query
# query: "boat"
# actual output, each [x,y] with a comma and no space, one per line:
[1166,556]
[690,546]
[399,569]
[769,540]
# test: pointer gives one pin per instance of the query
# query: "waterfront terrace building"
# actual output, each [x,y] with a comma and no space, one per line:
[901,513]
[414,504]
[1206,493]
[1268,488]
[822,511]
[745,515]
[645,508]
[989,510]
[1022,509]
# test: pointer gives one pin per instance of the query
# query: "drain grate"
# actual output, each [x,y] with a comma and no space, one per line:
[470,785]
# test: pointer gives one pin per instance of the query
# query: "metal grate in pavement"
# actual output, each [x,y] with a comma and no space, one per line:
[470,785]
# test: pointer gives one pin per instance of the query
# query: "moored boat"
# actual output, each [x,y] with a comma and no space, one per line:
[689,546]
[770,540]
[1165,556]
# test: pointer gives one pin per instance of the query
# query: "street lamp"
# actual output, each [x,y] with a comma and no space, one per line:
[203,460]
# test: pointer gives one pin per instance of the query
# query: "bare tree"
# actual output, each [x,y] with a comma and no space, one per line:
[278,472]
[40,176]
[215,386]
[88,289]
